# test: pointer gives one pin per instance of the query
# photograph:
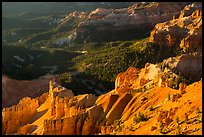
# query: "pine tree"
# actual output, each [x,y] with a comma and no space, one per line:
[177,120]
[178,130]
[197,112]
[161,127]
[169,96]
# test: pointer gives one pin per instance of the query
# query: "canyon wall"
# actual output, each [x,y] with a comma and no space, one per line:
[142,101]
[105,24]
[185,33]
[110,113]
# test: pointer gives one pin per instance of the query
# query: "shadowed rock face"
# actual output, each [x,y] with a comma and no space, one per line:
[14,90]
[118,107]
[190,66]
[105,24]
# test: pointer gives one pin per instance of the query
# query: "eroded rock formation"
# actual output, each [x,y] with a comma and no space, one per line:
[127,21]
[18,115]
[141,103]
[184,31]
[65,114]
[134,79]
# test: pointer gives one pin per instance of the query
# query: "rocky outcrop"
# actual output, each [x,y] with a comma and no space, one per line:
[27,129]
[106,101]
[166,117]
[124,80]
[184,31]
[58,95]
[78,111]
[14,90]
[79,104]
[62,126]
[133,78]
[190,66]
[41,99]
[79,124]
[126,21]
[118,107]
[18,115]
[193,42]
[85,113]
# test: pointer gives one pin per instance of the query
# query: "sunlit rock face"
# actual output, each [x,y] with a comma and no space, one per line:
[19,115]
[134,78]
[62,113]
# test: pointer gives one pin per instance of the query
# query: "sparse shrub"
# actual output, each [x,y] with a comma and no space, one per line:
[200,119]
[119,125]
[131,128]
[144,89]
[120,122]
[186,118]
[151,108]
[161,126]
[139,117]
[197,111]
[178,130]
[134,91]
[177,120]
[169,96]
